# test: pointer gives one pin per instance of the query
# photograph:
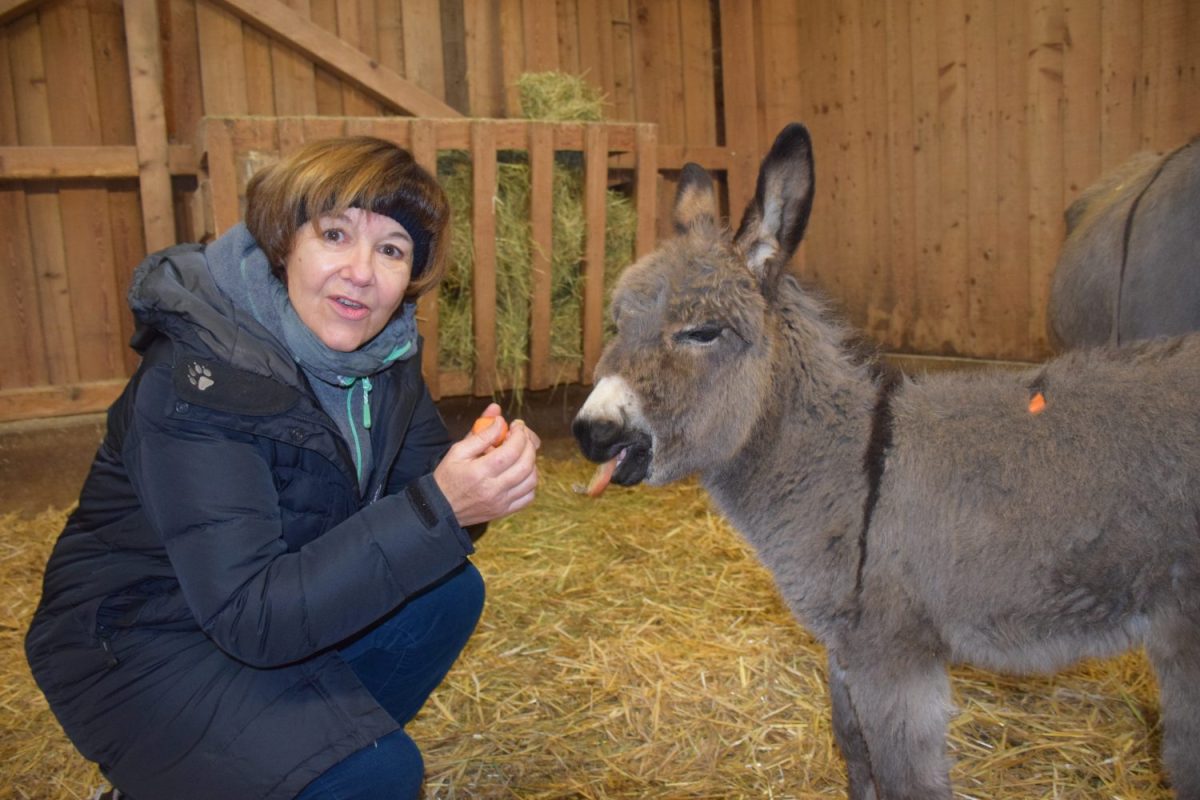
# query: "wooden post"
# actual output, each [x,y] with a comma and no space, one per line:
[424,150]
[595,183]
[483,158]
[150,125]
[541,223]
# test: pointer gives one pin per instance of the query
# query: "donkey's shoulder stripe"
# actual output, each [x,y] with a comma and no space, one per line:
[874,460]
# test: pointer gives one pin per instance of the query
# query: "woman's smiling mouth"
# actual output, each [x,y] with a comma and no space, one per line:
[349,309]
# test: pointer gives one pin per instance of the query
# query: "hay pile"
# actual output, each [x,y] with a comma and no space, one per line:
[36,760]
[559,97]
[633,648]
[549,96]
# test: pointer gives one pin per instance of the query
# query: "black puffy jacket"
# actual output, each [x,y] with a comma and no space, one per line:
[222,549]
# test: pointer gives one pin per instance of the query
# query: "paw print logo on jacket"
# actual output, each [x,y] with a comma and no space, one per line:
[199,376]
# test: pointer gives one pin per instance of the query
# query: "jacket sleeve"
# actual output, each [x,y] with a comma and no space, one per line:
[424,447]
[425,444]
[210,493]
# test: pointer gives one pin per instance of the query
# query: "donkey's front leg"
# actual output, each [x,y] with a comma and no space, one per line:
[902,702]
[848,733]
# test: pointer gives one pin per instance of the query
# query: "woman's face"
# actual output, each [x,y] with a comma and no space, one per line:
[347,279]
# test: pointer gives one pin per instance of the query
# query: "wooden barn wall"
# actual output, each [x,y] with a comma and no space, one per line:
[950,134]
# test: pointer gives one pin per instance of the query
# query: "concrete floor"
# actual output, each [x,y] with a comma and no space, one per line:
[43,463]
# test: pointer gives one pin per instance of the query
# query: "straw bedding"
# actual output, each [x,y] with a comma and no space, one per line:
[633,648]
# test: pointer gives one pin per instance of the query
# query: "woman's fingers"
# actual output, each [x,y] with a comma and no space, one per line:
[537,441]
[524,501]
[486,482]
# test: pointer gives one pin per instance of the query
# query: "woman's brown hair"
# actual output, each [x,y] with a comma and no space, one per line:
[330,176]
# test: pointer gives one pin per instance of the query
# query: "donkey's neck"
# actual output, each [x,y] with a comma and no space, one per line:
[786,490]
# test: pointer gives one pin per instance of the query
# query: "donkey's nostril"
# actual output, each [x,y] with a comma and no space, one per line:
[596,437]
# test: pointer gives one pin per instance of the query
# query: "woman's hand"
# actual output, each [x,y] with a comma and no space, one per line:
[484,481]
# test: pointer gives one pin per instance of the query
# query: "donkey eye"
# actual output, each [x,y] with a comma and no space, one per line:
[701,334]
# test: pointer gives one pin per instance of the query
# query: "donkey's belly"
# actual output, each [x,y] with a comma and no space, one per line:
[1044,646]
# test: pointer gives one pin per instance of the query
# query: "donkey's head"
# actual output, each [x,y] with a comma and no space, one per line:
[680,386]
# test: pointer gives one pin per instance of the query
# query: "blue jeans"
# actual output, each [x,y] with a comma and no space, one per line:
[401,661]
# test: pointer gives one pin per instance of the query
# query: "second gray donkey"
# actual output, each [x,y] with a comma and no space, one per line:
[1018,521]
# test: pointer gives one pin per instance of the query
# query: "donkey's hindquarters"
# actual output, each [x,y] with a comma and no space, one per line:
[1130,264]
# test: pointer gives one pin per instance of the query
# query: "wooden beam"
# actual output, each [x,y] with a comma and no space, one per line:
[347,61]
[150,124]
[181,158]
[674,156]
[100,161]
[32,163]
[11,9]
[58,401]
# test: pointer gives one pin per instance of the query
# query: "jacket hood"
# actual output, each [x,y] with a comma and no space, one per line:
[175,293]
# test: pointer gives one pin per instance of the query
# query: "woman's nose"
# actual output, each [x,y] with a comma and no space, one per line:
[358,268]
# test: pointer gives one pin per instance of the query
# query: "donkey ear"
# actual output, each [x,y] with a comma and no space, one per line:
[695,200]
[776,218]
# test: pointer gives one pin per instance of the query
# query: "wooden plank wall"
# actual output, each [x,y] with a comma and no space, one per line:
[950,135]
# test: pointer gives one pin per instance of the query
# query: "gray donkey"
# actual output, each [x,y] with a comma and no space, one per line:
[1130,265]
[1018,522]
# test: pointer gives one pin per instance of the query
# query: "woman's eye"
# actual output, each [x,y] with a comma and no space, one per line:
[333,234]
[392,251]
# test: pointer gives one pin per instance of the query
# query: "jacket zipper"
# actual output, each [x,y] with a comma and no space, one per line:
[105,634]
